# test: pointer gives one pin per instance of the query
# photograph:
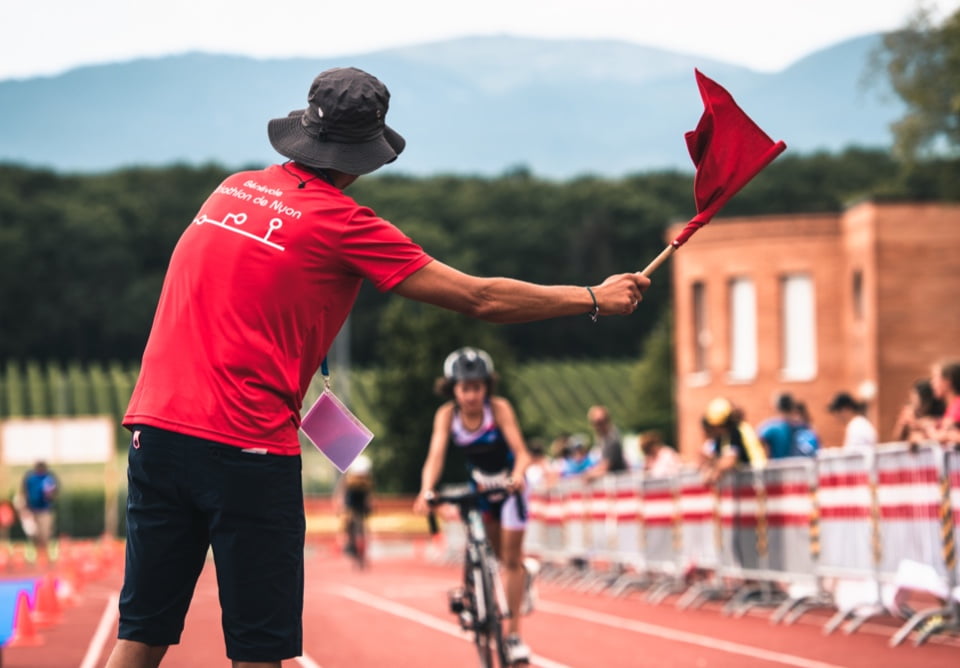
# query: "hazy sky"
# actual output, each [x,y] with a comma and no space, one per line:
[50,37]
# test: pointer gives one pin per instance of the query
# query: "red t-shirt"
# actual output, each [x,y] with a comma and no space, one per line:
[951,417]
[258,287]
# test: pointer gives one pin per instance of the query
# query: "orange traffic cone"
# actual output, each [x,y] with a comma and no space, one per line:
[69,586]
[24,632]
[47,611]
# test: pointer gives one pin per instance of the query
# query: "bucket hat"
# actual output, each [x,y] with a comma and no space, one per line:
[343,126]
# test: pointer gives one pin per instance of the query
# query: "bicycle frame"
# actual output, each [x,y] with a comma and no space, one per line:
[483,604]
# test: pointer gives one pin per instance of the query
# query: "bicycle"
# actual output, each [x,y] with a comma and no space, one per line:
[481,603]
[356,542]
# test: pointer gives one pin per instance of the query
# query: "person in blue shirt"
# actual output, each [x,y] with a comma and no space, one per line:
[777,432]
[39,490]
[576,457]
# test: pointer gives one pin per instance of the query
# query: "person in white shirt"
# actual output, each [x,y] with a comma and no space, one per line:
[659,459]
[859,432]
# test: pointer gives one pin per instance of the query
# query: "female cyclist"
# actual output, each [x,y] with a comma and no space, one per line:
[485,427]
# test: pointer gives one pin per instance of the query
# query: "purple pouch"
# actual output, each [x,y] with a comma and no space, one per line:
[335,431]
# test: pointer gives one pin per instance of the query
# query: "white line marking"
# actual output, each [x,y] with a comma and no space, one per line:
[109,618]
[307,662]
[107,621]
[668,633]
[414,615]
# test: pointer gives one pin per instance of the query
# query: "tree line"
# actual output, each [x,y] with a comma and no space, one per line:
[82,256]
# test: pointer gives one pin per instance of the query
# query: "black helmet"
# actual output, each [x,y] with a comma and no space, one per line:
[467,364]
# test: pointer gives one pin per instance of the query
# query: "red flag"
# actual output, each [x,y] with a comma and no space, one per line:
[728,149]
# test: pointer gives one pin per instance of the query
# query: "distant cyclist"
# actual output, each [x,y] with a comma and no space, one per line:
[485,427]
[352,499]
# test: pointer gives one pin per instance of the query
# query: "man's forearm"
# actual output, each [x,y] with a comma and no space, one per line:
[506,300]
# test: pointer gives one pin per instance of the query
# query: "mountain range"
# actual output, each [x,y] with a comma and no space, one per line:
[478,106]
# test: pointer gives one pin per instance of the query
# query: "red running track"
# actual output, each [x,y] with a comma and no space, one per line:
[394,614]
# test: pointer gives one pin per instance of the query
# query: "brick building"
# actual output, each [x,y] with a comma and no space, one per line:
[861,301]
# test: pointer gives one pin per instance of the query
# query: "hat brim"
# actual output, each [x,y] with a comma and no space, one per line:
[290,140]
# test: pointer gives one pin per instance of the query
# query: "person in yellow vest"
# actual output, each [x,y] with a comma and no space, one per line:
[731,441]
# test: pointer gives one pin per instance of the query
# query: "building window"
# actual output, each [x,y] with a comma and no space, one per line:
[858,294]
[799,343]
[743,329]
[701,336]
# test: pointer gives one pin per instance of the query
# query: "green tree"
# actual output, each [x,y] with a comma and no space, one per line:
[653,383]
[922,62]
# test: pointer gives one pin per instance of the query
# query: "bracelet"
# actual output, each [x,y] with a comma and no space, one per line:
[595,311]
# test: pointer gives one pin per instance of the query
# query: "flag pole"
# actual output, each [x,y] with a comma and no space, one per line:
[660,259]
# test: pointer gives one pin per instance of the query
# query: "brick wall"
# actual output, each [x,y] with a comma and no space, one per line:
[901,255]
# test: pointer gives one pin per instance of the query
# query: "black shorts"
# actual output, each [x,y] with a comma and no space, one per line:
[187,494]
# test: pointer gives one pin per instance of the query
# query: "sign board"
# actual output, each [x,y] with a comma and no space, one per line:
[79,440]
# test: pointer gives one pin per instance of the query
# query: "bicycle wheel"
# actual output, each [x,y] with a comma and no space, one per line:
[481,627]
[356,546]
[360,540]
[492,620]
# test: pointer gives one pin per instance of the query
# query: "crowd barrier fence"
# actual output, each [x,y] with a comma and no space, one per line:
[852,530]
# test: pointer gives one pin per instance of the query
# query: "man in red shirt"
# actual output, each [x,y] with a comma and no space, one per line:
[257,288]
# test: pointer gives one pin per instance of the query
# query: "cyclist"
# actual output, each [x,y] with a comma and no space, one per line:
[485,427]
[352,500]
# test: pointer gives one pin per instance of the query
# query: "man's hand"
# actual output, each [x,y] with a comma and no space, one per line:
[620,294]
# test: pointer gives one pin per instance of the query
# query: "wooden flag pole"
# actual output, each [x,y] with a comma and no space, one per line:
[660,259]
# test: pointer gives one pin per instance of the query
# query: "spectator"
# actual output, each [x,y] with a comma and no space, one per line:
[731,441]
[39,490]
[576,458]
[606,443]
[778,432]
[858,430]
[659,459]
[945,380]
[806,441]
[921,415]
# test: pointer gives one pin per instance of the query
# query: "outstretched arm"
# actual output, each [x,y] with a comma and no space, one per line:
[506,300]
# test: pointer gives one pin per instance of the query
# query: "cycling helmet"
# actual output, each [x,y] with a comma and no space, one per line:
[718,411]
[467,364]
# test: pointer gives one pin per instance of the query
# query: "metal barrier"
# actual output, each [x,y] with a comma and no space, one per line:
[842,530]
[939,497]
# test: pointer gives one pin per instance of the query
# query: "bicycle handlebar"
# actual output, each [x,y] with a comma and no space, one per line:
[466,495]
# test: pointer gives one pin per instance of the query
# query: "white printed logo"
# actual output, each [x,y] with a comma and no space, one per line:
[240,219]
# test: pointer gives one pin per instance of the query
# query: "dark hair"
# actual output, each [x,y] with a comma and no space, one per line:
[845,400]
[444,386]
[536,447]
[950,372]
[649,439]
[785,403]
[930,405]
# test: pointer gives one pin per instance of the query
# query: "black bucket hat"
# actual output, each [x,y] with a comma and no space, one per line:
[343,127]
